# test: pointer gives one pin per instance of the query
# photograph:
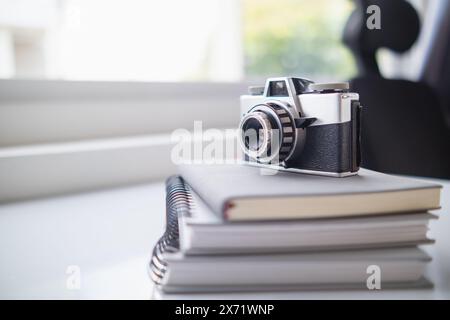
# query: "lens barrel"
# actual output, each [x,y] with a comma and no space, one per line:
[267,133]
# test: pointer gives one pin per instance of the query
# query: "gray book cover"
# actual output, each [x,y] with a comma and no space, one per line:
[221,186]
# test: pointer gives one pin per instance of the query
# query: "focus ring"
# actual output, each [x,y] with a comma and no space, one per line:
[288,131]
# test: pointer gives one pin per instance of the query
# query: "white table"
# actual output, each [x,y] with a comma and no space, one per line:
[109,236]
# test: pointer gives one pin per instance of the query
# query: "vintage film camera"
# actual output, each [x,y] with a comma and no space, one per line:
[297,125]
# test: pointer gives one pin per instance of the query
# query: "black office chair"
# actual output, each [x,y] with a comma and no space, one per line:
[403,127]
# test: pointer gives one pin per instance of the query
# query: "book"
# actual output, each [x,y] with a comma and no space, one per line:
[400,267]
[175,270]
[203,232]
[242,193]
[274,291]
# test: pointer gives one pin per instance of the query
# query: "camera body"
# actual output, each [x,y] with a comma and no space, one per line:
[298,125]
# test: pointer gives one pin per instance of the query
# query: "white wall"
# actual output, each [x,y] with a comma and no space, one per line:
[58,137]
[57,111]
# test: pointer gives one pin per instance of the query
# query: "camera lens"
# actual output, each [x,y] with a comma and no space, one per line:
[267,133]
[256,134]
[253,134]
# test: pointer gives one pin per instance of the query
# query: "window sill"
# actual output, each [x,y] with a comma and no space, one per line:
[53,169]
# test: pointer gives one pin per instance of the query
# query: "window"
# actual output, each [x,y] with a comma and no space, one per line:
[172,40]
[296,37]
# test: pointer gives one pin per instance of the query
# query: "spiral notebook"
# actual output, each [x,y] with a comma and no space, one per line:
[178,202]
[254,270]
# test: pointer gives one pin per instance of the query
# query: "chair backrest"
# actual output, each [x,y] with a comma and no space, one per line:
[403,128]
[400,27]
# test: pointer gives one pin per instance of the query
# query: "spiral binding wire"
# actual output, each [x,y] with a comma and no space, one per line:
[178,202]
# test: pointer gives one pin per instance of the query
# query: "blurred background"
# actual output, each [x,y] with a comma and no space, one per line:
[176,40]
[90,90]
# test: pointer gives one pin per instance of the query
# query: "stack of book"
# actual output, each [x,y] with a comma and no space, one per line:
[230,228]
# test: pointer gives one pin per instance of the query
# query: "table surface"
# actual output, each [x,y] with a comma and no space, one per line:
[108,235]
